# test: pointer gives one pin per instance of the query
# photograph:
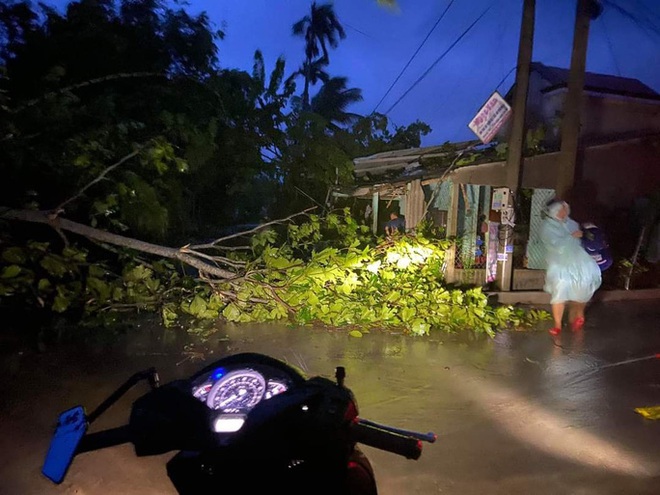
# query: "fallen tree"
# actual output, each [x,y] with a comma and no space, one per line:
[326,271]
[208,265]
[185,255]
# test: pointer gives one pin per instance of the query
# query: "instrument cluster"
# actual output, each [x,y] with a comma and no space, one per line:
[237,391]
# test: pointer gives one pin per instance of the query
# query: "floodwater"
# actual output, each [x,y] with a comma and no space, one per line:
[521,414]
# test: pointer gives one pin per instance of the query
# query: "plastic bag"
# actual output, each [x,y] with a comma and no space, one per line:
[652,412]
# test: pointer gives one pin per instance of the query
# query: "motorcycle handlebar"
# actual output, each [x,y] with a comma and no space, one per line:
[362,431]
[369,434]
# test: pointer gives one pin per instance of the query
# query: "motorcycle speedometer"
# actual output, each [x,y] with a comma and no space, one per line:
[238,391]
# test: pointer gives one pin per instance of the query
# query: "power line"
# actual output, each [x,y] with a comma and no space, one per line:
[426,73]
[609,44]
[504,78]
[500,35]
[476,107]
[648,12]
[645,24]
[358,31]
[413,56]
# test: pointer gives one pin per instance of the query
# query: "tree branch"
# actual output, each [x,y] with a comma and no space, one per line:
[428,204]
[91,82]
[215,243]
[100,177]
[46,218]
[215,259]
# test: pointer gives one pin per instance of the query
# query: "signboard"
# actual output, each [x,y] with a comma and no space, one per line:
[490,118]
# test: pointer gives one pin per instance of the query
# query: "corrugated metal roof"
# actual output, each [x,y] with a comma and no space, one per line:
[405,161]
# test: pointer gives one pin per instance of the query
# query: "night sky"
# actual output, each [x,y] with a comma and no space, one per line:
[624,41]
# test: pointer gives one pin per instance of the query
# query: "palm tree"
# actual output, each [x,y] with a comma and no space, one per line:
[313,73]
[333,99]
[320,29]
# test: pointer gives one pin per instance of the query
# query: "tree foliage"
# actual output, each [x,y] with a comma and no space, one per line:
[87,88]
[320,29]
[116,114]
[217,146]
[325,271]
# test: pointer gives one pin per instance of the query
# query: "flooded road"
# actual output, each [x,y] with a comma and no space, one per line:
[519,414]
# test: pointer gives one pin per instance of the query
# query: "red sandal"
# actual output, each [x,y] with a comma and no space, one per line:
[577,324]
[554,331]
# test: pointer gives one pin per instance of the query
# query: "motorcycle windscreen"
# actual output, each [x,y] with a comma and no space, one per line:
[71,427]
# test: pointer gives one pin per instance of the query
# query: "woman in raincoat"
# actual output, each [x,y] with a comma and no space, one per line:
[572,276]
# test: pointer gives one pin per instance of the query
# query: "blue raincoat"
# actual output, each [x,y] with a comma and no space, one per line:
[571,274]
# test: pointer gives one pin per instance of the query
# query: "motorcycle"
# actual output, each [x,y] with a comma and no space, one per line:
[248,423]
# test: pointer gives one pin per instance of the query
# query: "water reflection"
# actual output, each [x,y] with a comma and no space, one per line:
[517,407]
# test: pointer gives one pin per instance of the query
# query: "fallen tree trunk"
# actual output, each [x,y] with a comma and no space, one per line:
[62,224]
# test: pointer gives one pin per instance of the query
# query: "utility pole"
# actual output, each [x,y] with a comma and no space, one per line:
[570,124]
[517,134]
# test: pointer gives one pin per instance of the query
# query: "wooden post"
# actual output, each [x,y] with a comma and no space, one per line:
[452,229]
[570,124]
[374,211]
[518,129]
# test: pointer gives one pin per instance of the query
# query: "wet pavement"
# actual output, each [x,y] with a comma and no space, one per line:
[519,414]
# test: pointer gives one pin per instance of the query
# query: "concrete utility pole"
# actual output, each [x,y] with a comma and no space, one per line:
[570,124]
[517,135]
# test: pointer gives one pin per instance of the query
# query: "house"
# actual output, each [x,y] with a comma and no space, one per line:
[457,185]
[612,107]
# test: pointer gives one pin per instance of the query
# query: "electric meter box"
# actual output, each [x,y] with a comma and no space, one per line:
[500,198]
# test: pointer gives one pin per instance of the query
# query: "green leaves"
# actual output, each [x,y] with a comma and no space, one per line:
[199,308]
[392,286]
[14,255]
[231,312]
[10,271]
[341,281]
[169,314]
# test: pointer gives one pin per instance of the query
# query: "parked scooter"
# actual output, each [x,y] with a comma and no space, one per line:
[246,424]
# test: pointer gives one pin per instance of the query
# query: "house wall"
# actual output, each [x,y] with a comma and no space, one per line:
[602,115]
[534,105]
[441,191]
[414,204]
[609,181]
[611,177]
[611,116]
[538,172]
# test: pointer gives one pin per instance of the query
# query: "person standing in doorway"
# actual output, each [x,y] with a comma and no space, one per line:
[396,224]
[572,276]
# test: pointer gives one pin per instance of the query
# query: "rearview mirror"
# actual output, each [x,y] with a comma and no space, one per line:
[71,427]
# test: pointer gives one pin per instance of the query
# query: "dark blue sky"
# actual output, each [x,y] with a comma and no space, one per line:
[379,43]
